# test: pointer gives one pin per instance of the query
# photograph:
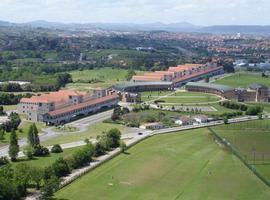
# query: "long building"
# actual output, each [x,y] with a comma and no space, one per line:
[254,93]
[61,107]
[181,74]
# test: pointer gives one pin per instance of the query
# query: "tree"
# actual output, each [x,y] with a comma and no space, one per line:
[60,167]
[50,186]
[13,146]
[37,174]
[30,137]
[22,176]
[2,134]
[29,152]
[56,149]
[35,134]
[123,146]
[115,135]
[225,120]
[2,112]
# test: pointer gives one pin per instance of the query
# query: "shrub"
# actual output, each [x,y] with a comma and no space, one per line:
[41,151]
[29,152]
[56,149]
[3,161]
[60,167]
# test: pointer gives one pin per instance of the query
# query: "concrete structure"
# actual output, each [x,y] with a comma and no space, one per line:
[62,106]
[152,126]
[254,93]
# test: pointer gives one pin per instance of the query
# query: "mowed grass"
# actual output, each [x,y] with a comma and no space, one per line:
[251,139]
[93,131]
[47,160]
[104,77]
[21,132]
[244,80]
[184,165]
[190,98]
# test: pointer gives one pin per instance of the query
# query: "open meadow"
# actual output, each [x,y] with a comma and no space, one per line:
[243,80]
[251,139]
[182,165]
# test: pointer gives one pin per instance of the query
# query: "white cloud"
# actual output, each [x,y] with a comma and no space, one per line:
[202,12]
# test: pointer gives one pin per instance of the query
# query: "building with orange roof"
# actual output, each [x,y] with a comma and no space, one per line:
[37,108]
[181,74]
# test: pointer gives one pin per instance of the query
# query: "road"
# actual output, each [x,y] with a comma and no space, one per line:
[48,133]
[133,132]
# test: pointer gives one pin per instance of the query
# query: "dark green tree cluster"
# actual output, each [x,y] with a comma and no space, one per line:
[14,181]
[11,99]
[234,105]
[13,146]
[34,148]
[12,124]
[254,110]
[118,112]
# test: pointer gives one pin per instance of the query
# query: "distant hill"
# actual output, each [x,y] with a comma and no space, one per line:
[237,29]
[172,27]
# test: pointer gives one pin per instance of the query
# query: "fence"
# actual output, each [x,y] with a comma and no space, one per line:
[237,154]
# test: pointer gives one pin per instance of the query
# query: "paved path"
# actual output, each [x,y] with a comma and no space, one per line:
[48,133]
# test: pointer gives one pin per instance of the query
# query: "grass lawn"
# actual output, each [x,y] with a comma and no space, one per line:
[21,132]
[10,107]
[185,165]
[243,80]
[106,77]
[190,98]
[252,141]
[151,95]
[47,160]
[266,106]
[92,132]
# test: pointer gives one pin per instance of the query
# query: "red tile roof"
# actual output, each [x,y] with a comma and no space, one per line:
[53,97]
[83,105]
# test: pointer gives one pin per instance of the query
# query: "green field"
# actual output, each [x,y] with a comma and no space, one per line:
[190,98]
[184,165]
[21,132]
[100,77]
[251,139]
[93,131]
[151,95]
[243,80]
[47,160]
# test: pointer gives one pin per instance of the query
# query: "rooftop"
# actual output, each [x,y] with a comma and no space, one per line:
[223,88]
[82,105]
[123,86]
[53,97]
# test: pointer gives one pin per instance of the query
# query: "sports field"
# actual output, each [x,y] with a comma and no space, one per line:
[243,80]
[251,139]
[179,97]
[190,98]
[184,165]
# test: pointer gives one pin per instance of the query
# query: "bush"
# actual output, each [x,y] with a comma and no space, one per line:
[60,168]
[56,149]
[41,151]
[29,152]
[3,161]
[254,110]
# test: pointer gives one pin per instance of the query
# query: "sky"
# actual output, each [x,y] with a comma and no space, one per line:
[199,12]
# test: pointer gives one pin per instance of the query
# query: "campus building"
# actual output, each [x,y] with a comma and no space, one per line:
[254,93]
[62,106]
[181,74]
